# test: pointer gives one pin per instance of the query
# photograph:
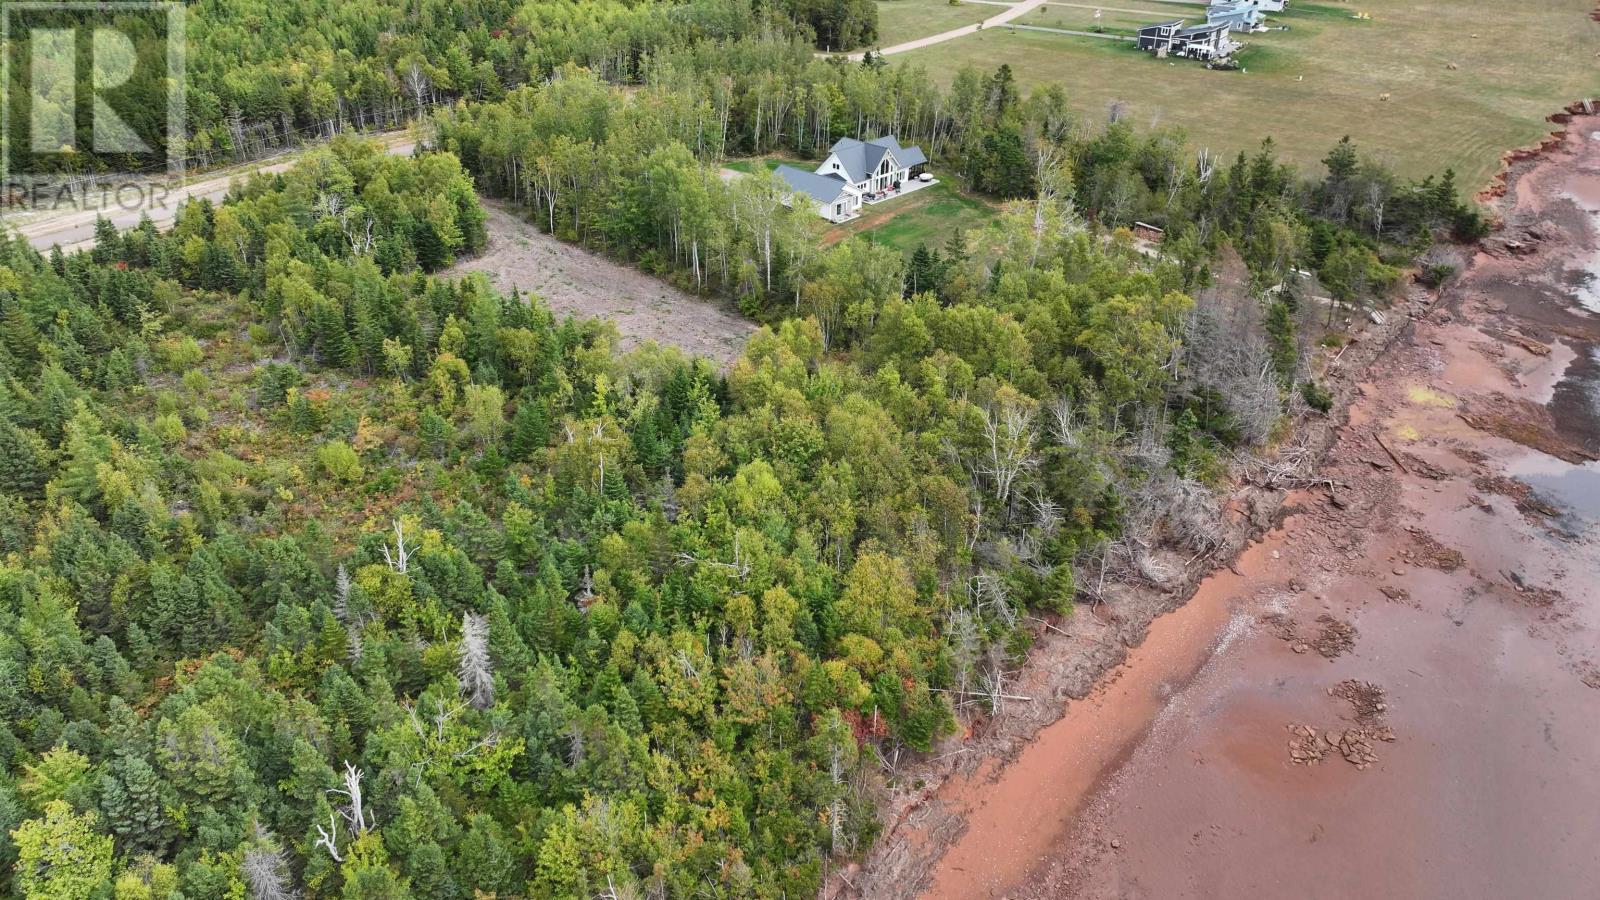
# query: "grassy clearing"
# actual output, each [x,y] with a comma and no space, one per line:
[1122,20]
[748,165]
[1322,79]
[929,216]
[904,20]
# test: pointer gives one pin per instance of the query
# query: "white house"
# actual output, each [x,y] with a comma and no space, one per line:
[855,172]
[1241,15]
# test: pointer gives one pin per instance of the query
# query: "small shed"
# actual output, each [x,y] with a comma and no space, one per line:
[1144,231]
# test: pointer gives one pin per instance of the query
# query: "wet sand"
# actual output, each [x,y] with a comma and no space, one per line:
[1464,560]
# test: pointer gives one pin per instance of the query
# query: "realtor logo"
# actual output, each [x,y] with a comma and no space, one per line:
[93,92]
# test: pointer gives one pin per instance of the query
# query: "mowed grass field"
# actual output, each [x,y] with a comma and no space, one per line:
[747,165]
[904,20]
[1322,79]
[1123,20]
[928,216]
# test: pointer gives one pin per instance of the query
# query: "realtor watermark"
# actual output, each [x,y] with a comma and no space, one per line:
[92,115]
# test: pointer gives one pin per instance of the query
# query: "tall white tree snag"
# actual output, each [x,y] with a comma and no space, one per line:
[1065,422]
[1008,436]
[399,559]
[836,808]
[328,838]
[265,870]
[353,811]
[476,670]
[341,595]
[419,85]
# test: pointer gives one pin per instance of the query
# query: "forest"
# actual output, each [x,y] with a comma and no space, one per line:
[328,576]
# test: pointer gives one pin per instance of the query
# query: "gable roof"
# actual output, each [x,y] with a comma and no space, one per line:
[1200,31]
[821,188]
[1175,23]
[1224,11]
[860,158]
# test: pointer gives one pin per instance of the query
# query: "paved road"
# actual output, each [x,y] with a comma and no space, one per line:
[1011,12]
[74,229]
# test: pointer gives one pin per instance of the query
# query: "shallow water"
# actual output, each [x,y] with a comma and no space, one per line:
[1574,489]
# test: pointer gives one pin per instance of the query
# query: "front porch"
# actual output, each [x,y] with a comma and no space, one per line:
[909,186]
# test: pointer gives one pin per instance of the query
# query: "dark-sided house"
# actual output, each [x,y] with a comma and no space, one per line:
[1203,42]
[1157,38]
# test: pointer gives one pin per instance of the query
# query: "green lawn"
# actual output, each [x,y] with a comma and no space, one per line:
[1112,20]
[928,216]
[904,20]
[1322,79]
[748,165]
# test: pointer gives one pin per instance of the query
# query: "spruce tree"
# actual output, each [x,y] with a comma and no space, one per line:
[22,461]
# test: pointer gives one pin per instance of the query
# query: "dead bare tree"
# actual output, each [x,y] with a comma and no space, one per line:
[341,595]
[400,559]
[418,84]
[266,869]
[1008,434]
[1065,423]
[329,838]
[1205,165]
[613,891]
[961,634]
[476,670]
[1225,352]
[987,593]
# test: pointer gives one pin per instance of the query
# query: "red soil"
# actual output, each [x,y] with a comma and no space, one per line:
[1476,619]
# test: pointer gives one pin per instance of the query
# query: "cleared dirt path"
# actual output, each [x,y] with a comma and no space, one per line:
[1011,12]
[574,281]
[73,229]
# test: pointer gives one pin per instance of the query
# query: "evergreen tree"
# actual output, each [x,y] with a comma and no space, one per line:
[134,801]
[22,461]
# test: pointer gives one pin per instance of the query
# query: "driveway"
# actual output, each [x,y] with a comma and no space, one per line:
[1014,11]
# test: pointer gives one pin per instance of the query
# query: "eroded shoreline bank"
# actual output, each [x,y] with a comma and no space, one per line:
[995,819]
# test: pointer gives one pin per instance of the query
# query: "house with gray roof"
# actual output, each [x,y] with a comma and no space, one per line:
[1204,42]
[1240,18]
[854,172]
[1157,38]
[1208,42]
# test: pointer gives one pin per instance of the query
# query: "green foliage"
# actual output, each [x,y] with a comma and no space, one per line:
[339,462]
[60,856]
[593,621]
[1316,396]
